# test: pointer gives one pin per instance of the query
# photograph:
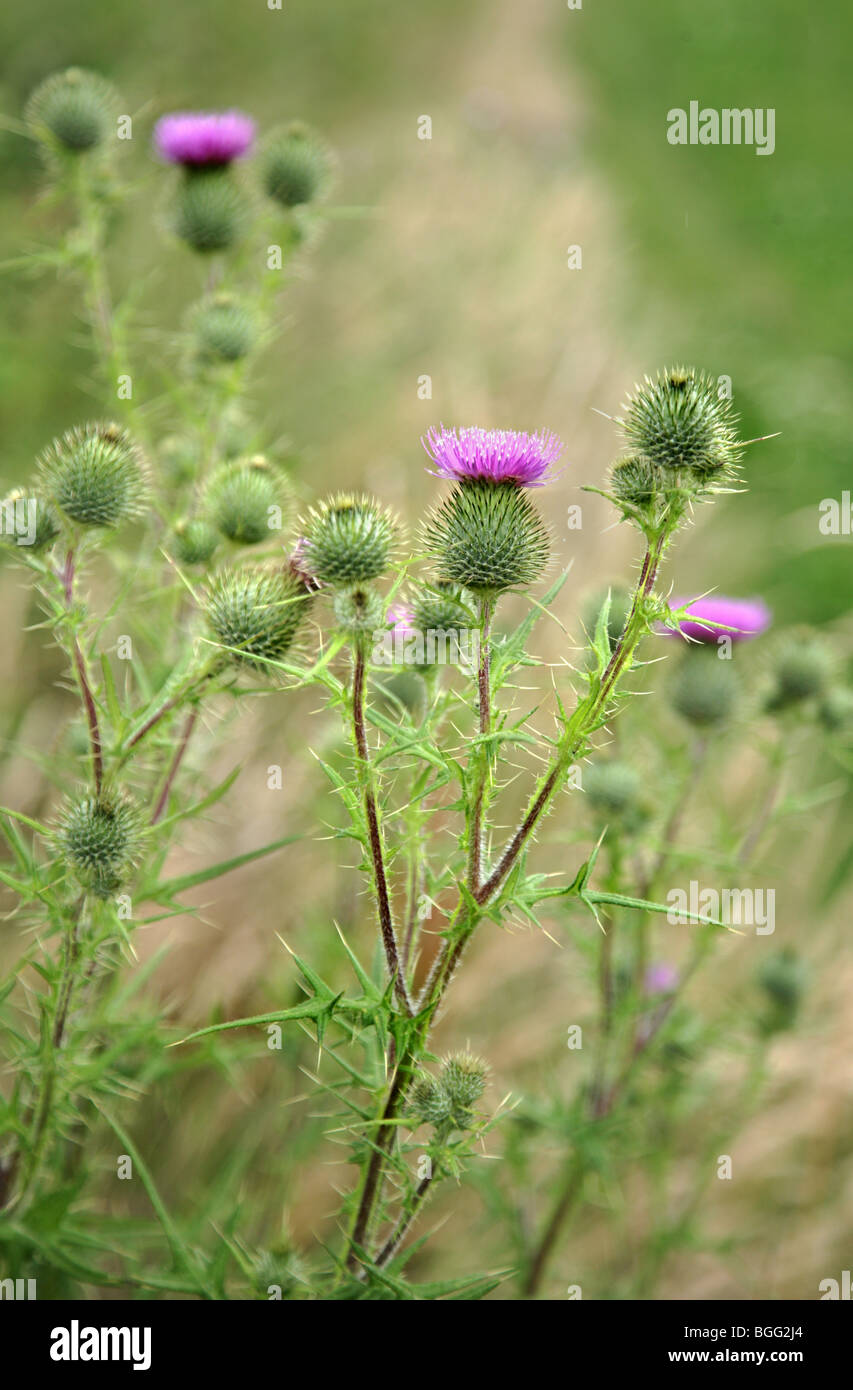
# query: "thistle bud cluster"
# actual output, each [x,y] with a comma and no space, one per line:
[223,330]
[296,165]
[255,612]
[447,1101]
[614,790]
[100,839]
[72,112]
[683,446]
[95,476]
[704,690]
[247,500]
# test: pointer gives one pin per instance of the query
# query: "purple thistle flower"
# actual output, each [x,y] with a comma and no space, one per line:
[740,618]
[401,619]
[203,139]
[496,456]
[660,978]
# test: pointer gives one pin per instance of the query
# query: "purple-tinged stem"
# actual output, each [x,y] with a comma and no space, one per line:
[163,798]
[374,834]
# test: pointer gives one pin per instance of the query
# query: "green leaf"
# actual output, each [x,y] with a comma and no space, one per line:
[111,697]
[165,892]
[180,1250]
[311,1008]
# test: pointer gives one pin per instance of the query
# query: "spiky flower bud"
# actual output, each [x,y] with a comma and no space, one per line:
[210,210]
[636,481]
[72,110]
[441,608]
[195,541]
[835,710]
[348,541]
[464,1079]
[704,689]
[257,612]
[296,166]
[679,421]
[430,1104]
[359,610]
[100,838]
[802,671]
[28,521]
[488,537]
[223,329]
[246,501]
[95,475]
[614,789]
[446,1102]
[782,978]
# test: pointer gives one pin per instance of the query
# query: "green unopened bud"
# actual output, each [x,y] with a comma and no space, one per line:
[835,710]
[282,1269]
[782,978]
[359,610]
[223,329]
[210,210]
[704,689]
[614,790]
[95,475]
[256,612]
[247,502]
[29,522]
[679,421]
[803,669]
[430,1103]
[100,838]
[73,110]
[636,481]
[464,1078]
[296,166]
[348,541]
[447,1101]
[488,537]
[441,608]
[195,541]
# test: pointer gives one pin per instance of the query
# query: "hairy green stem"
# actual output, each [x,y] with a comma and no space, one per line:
[482,756]
[374,833]
[588,716]
[54,1042]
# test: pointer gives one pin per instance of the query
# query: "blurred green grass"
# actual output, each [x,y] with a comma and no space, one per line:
[741,262]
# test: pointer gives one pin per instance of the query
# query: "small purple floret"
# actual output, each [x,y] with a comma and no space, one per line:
[201,139]
[401,620]
[740,618]
[498,456]
[660,978]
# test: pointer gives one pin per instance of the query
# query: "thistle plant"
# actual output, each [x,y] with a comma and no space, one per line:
[169,525]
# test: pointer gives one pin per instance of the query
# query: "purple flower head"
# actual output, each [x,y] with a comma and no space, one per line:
[740,618]
[203,139]
[497,456]
[660,978]
[401,619]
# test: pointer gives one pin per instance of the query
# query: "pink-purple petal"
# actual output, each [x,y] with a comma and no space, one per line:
[498,456]
[203,138]
[737,618]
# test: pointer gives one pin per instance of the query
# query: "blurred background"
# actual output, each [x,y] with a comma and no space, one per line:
[448,258]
